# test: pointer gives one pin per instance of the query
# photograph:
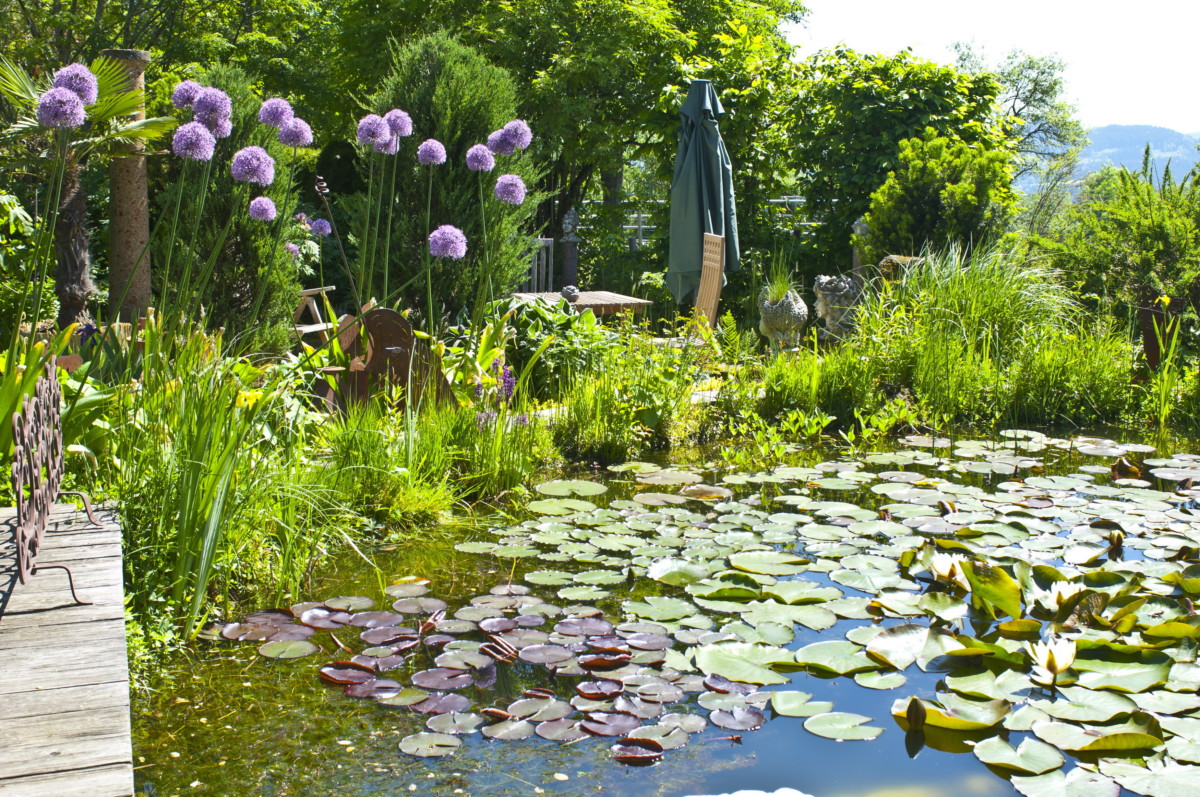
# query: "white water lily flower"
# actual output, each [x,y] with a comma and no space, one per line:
[1051,658]
[948,567]
[1058,594]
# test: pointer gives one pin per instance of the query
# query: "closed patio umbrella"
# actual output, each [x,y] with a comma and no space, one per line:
[701,192]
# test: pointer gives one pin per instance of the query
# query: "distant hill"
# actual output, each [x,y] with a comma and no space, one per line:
[1122,145]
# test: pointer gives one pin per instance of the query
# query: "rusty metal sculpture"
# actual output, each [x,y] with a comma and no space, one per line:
[38,471]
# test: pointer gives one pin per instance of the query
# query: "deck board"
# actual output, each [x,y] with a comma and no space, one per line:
[64,677]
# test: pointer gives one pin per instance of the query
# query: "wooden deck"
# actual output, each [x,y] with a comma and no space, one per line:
[64,678]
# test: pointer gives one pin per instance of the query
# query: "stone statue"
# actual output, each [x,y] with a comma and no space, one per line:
[836,300]
[570,293]
[782,322]
[896,266]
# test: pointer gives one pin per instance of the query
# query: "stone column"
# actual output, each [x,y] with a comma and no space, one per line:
[129,209]
[569,246]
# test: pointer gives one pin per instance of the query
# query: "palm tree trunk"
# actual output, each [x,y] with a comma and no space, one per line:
[72,278]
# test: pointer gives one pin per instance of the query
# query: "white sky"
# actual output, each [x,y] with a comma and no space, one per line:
[1127,62]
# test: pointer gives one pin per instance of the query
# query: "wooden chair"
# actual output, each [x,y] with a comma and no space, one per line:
[712,278]
[309,303]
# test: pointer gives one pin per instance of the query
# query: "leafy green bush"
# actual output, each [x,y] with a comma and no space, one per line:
[942,193]
[16,229]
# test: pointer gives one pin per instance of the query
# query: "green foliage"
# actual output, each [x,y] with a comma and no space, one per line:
[942,193]
[851,115]
[455,96]
[16,240]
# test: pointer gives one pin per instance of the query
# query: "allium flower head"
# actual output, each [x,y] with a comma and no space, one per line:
[431,152]
[221,128]
[479,159]
[398,122]
[518,133]
[185,93]
[194,142]
[389,147]
[373,130]
[500,143]
[60,108]
[292,249]
[79,79]
[510,188]
[448,241]
[212,105]
[295,132]
[275,112]
[262,208]
[253,165]
[320,227]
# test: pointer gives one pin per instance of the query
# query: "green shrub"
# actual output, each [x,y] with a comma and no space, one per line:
[942,193]
[1079,377]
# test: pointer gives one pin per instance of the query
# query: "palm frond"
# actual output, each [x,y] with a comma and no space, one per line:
[22,129]
[123,103]
[110,76]
[17,86]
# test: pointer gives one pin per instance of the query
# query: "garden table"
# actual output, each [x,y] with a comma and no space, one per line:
[599,302]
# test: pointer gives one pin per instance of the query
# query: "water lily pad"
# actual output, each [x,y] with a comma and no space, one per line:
[509,730]
[1139,733]
[1077,783]
[775,563]
[603,723]
[560,506]
[637,751]
[293,649]
[1030,757]
[455,723]
[429,745]
[350,603]
[565,487]
[748,663]
[842,726]
[834,656]
[746,718]
[798,704]
[442,678]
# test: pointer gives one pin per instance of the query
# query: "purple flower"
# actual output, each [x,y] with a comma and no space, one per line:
[479,159]
[500,143]
[508,382]
[448,241]
[60,108]
[398,122]
[389,147]
[373,130]
[431,152]
[484,419]
[478,389]
[79,79]
[262,209]
[521,420]
[518,133]
[211,106]
[185,93]
[295,132]
[222,128]
[253,165]
[292,249]
[510,188]
[320,227]
[275,112]
[194,142]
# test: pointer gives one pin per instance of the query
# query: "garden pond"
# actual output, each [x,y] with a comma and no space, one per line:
[964,617]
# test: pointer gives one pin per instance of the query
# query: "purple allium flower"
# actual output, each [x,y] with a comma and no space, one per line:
[398,122]
[292,249]
[389,147]
[222,128]
[518,133]
[320,227]
[479,159]
[373,130]
[185,93]
[431,152]
[79,79]
[301,217]
[262,209]
[60,108]
[275,112]
[500,143]
[295,132]
[211,106]
[510,188]
[508,382]
[448,241]
[253,165]
[194,142]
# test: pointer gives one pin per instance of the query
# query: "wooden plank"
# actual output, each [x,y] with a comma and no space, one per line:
[315,291]
[64,690]
[712,278]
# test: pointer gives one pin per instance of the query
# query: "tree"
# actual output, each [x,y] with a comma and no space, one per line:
[1030,107]
[107,131]
[943,193]
[851,114]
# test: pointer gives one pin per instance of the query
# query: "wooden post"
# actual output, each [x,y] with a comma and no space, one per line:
[568,245]
[129,210]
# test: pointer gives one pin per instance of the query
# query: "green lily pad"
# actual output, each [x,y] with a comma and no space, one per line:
[1139,733]
[560,506]
[898,646]
[842,726]
[1031,756]
[565,487]
[292,649]
[430,745]
[835,656]
[657,607]
[1156,779]
[957,713]
[1077,783]
[745,662]
[774,563]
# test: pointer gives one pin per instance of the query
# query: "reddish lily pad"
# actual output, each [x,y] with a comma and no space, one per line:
[603,689]
[374,688]
[350,603]
[545,654]
[747,718]
[441,703]
[442,678]
[346,672]
[604,723]
[562,730]
[376,619]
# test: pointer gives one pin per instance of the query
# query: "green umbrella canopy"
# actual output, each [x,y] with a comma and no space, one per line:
[701,192]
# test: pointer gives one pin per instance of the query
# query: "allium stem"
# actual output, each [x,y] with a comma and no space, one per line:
[485,275]
[166,268]
[365,248]
[387,245]
[280,221]
[185,284]
[44,251]
[428,261]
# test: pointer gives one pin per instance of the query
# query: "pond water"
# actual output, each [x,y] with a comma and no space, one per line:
[788,557]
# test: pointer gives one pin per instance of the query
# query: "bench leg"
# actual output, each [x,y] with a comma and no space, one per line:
[70,581]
